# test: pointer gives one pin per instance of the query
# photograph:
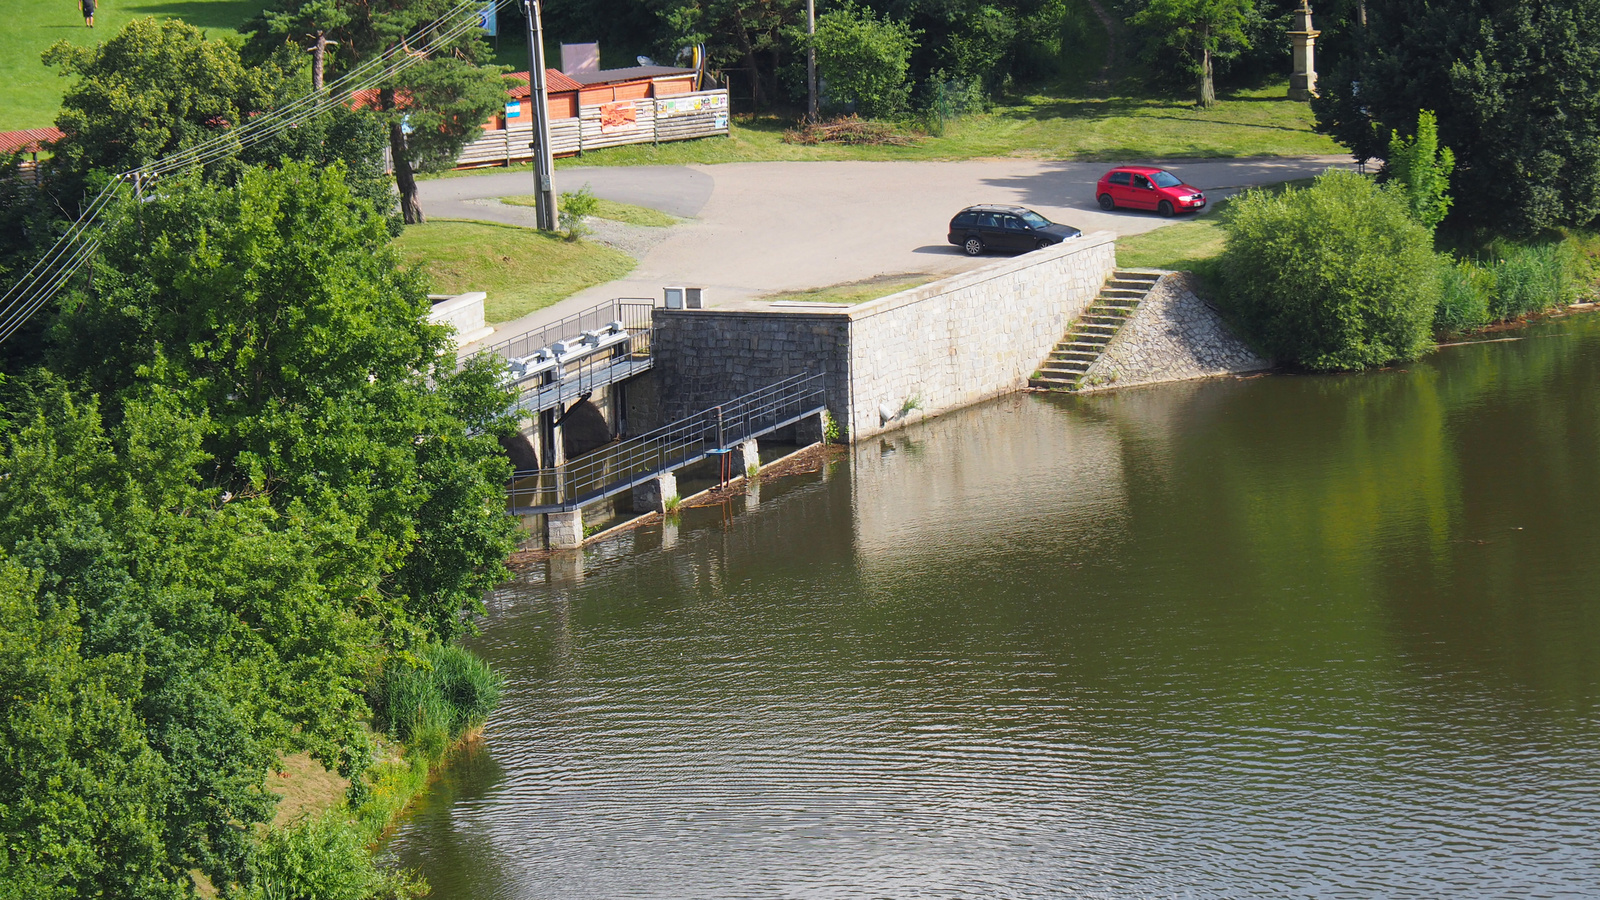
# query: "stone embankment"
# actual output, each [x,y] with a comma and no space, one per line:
[1175,335]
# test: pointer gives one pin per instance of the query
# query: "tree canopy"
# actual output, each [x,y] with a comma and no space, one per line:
[1515,85]
[431,109]
[249,474]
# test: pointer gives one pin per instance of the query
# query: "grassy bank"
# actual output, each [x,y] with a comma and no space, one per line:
[320,845]
[521,269]
[33,92]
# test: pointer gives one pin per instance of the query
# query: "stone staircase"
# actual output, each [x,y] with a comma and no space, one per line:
[1089,335]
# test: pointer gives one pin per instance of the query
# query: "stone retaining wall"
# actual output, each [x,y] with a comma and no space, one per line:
[896,359]
[1174,335]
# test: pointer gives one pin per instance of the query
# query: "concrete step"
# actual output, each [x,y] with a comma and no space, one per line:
[1066,365]
[1052,384]
[1096,346]
[1128,275]
[1097,319]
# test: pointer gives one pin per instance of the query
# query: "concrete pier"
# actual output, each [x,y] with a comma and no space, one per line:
[652,496]
[564,530]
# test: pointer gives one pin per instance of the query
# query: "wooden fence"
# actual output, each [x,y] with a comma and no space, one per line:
[644,121]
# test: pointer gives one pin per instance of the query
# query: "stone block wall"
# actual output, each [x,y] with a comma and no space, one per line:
[955,342]
[896,359]
[707,356]
[1173,336]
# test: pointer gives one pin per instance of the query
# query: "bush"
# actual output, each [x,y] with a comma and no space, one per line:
[863,60]
[323,859]
[945,98]
[575,206]
[1464,292]
[429,706]
[1336,276]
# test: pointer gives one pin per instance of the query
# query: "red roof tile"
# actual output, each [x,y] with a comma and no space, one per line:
[554,83]
[28,141]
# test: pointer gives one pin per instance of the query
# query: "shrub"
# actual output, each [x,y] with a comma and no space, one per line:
[323,859]
[575,206]
[864,60]
[1464,292]
[430,705]
[1335,276]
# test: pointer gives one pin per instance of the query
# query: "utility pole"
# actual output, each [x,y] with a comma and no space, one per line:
[545,193]
[811,62]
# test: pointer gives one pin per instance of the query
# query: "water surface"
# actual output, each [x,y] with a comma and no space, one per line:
[1282,636]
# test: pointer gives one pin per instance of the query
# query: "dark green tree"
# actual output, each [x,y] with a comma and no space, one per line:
[864,60]
[155,88]
[276,307]
[1202,29]
[81,791]
[431,109]
[1516,86]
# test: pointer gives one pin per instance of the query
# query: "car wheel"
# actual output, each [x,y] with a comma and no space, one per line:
[1106,203]
[1041,243]
[973,246]
[1166,208]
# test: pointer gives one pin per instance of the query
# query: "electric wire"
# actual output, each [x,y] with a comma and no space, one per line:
[70,252]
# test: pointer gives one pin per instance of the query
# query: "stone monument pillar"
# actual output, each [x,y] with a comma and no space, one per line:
[1303,40]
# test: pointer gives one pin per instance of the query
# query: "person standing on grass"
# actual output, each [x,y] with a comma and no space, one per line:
[88,12]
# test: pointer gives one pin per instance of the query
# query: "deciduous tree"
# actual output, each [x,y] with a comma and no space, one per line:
[1201,28]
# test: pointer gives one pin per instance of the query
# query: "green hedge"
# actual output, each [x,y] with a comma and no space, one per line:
[1335,276]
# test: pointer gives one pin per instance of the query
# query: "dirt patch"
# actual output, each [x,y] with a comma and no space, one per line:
[306,788]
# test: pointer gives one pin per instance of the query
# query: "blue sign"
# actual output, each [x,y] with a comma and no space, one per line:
[489,18]
[513,108]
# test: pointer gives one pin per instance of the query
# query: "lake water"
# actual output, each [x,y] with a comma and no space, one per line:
[1281,636]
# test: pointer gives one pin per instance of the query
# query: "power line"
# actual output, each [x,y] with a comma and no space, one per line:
[76,247]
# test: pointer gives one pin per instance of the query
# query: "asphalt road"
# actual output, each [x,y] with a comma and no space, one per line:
[755,229]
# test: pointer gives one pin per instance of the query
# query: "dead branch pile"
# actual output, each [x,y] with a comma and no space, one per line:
[847,130]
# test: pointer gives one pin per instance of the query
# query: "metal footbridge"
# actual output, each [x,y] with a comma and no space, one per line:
[629,463]
[554,365]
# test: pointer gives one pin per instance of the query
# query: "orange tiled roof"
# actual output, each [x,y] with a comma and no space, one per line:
[31,140]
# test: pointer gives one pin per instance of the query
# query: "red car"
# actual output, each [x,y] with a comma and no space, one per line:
[1141,187]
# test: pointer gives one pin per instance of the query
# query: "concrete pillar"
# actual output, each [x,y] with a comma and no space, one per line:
[1303,41]
[564,530]
[652,496]
[748,457]
[809,430]
[551,450]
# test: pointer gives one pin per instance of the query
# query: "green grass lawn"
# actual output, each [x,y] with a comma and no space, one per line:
[1180,247]
[33,92]
[626,213]
[853,292]
[521,269]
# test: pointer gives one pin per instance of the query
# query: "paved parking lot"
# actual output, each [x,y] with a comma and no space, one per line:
[758,228]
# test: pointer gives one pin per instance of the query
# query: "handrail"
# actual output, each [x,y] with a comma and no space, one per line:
[633,313]
[622,465]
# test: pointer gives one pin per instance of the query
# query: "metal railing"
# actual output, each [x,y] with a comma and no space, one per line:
[620,466]
[633,313]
